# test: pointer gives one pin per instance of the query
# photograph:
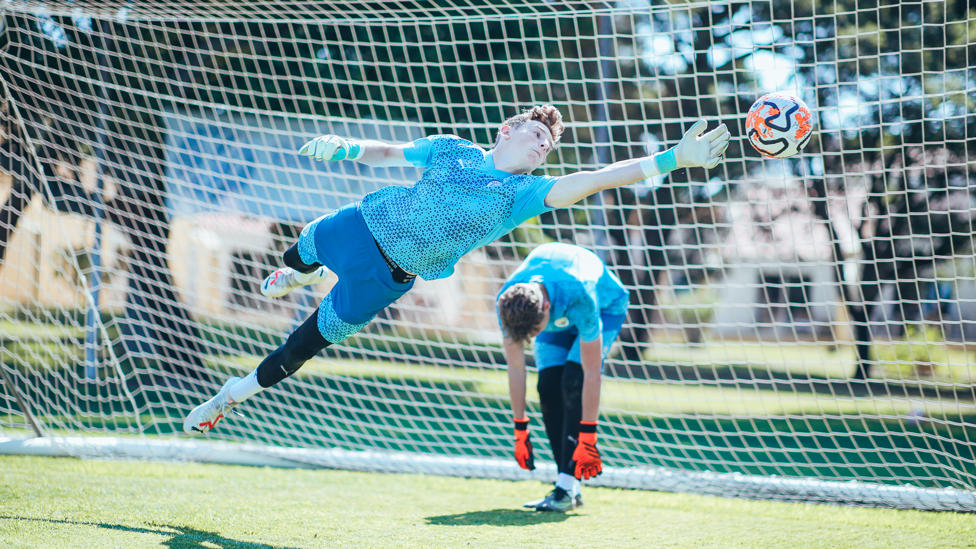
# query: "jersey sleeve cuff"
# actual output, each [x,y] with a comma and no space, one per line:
[659,164]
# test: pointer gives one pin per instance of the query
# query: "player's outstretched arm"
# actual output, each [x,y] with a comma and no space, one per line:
[693,151]
[332,148]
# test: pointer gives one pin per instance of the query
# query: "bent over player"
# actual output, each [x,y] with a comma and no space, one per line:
[566,298]
[467,197]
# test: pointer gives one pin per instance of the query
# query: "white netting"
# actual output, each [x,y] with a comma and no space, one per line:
[809,318]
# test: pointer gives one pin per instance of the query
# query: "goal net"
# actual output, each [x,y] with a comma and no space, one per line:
[799,329]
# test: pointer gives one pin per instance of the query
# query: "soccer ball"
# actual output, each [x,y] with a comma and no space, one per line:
[778,125]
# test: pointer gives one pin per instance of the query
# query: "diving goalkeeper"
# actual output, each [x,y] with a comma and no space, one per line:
[565,297]
[467,197]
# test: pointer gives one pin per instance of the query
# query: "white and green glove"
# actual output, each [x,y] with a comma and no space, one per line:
[333,148]
[693,151]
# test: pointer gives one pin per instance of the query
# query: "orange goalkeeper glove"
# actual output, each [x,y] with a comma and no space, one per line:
[586,457]
[523,445]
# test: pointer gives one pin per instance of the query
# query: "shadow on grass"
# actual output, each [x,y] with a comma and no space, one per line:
[181,537]
[498,517]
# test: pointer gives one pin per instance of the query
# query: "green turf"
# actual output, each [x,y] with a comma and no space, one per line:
[752,408]
[36,331]
[814,359]
[50,502]
[741,427]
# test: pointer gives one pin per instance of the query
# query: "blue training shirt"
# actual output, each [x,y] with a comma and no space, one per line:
[460,203]
[581,288]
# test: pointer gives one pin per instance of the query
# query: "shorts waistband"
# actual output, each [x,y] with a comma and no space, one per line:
[400,276]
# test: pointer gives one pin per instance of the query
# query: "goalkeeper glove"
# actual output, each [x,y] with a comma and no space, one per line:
[693,151]
[523,445]
[586,458]
[332,148]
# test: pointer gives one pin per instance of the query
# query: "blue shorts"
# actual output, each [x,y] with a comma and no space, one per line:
[342,242]
[558,348]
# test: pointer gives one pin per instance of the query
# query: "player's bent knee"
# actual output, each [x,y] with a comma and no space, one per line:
[293,259]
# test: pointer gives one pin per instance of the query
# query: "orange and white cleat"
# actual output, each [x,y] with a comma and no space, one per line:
[206,416]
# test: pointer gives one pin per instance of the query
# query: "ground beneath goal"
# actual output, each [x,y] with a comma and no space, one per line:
[52,502]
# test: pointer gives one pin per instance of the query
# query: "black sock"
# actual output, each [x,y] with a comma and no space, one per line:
[303,344]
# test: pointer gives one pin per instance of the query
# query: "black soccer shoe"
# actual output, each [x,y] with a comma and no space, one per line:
[559,501]
[534,503]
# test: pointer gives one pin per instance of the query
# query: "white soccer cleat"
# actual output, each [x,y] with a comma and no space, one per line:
[283,281]
[206,416]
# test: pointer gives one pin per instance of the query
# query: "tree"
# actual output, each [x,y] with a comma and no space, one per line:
[860,68]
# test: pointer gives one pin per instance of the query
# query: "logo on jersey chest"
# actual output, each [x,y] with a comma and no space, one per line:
[561,322]
[465,163]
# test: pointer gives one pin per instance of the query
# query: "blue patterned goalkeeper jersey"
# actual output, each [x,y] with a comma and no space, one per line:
[460,203]
[581,288]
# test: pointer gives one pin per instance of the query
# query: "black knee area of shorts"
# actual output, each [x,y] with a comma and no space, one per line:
[572,385]
[293,259]
[550,389]
[303,344]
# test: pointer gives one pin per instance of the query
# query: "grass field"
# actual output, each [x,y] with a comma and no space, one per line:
[50,502]
[733,421]
[757,408]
